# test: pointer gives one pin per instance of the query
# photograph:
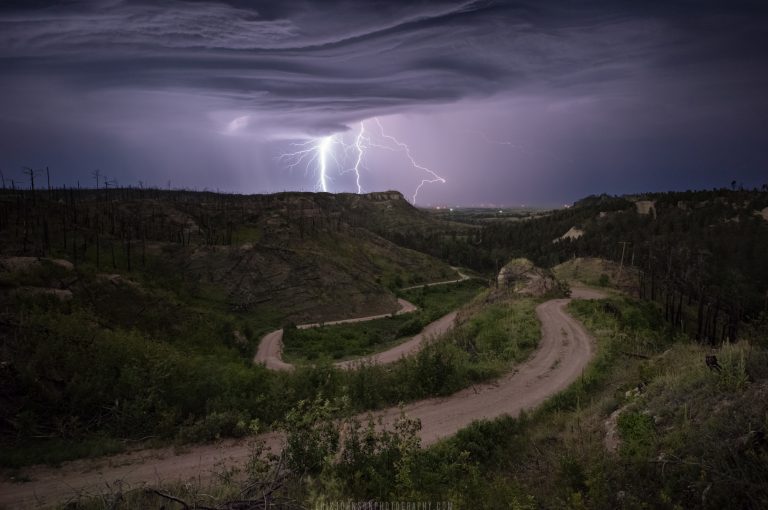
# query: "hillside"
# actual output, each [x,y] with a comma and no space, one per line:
[290,255]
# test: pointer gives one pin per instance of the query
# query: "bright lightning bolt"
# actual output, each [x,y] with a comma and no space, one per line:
[313,152]
[359,141]
[322,151]
[316,153]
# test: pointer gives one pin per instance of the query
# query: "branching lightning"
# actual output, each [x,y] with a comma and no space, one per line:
[317,153]
[407,150]
[313,153]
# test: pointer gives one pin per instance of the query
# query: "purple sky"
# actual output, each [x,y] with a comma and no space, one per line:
[529,102]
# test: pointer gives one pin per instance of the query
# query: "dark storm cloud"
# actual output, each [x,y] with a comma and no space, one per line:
[336,60]
[129,67]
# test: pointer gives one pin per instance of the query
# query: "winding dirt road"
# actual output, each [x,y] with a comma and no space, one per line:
[432,330]
[564,351]
[270,350]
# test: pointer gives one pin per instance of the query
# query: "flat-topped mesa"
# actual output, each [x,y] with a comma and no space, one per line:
[380,196]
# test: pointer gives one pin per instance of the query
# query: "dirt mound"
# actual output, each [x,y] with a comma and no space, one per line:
[522,277]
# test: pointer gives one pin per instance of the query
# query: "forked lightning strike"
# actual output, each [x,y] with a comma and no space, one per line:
[315,154]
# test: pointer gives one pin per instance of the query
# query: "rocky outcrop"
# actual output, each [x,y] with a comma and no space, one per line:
[384,195]
[646,207]
[572,234]
[522,277]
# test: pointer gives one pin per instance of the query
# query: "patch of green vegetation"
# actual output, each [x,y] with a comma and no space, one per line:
[344,340]
[440,299]
[360,339]
[597,272]
[637,433]
[458,360]
[503,332]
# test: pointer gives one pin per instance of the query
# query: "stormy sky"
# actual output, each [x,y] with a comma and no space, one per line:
[520,102]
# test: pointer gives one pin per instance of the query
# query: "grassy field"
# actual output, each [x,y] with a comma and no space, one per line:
[343,341]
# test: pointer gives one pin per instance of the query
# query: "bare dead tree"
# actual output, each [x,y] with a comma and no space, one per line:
[96,174]
[30,172]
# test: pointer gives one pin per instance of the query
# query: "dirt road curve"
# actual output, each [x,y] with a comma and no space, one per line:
[270,350]
[431,330]
[564,350]
[461,278]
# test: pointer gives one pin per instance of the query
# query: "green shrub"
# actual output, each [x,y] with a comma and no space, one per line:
[215,426]
[637,433]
